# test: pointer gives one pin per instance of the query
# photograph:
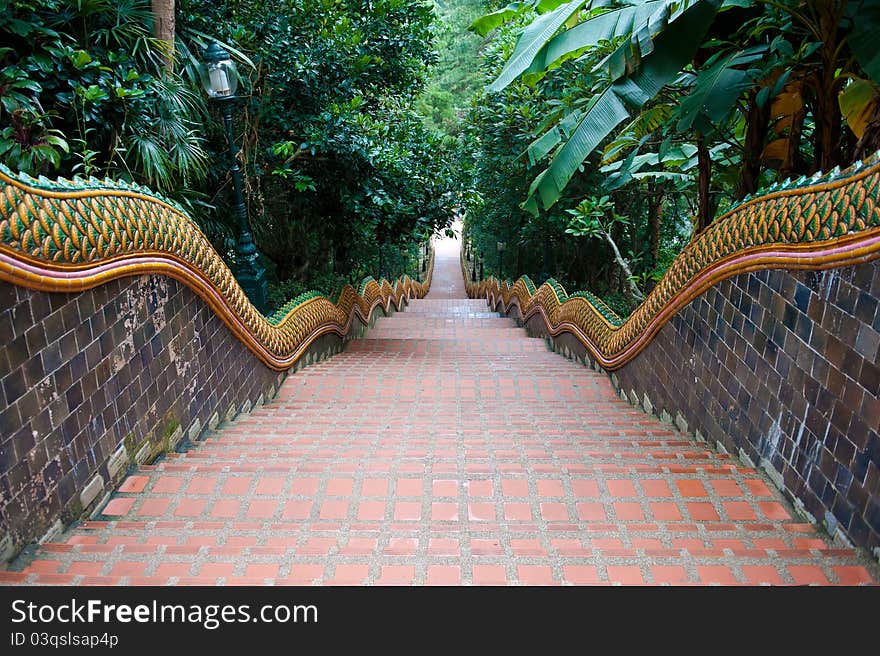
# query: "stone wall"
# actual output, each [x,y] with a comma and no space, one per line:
[93,382]
[779,368]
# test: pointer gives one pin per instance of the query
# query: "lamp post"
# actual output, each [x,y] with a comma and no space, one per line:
[501,246]
[481,266]
[425,258]
[220,80]
[473,263]
[381,263]
[545,259]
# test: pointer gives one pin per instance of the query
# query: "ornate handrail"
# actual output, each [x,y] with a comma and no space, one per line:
[71,235]
[826,221]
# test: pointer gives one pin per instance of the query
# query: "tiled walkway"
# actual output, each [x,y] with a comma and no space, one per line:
[446,448]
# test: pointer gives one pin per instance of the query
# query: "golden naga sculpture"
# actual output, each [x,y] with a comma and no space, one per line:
[72,235]
[828,220]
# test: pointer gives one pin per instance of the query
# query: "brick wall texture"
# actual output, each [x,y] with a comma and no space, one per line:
[137,362]
[782,366]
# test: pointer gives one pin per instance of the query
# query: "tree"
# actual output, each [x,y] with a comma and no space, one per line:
[163,28]
[596,218]
[657,40]
[83,90]
[342,175]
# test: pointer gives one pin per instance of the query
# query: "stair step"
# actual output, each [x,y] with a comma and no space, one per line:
[282,547]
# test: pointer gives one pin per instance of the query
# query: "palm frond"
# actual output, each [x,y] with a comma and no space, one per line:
[640,68]
[648,121]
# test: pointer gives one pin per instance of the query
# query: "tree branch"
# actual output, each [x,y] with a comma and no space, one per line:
[636,292]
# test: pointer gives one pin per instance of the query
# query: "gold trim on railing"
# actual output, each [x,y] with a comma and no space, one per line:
[823,222]
[68,236]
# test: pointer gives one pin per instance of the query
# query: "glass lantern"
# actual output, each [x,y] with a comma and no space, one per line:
[218,73]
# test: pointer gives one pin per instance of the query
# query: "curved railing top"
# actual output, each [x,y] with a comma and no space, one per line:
[827,220]
[70,235]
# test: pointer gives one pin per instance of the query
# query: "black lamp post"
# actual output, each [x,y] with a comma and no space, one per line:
[220,80]
[545,259]
[481,266]
[381,262]
[501,246]
[473,263]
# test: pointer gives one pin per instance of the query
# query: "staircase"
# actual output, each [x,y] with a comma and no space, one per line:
[445,447]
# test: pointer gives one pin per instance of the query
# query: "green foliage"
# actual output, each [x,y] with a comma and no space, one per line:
[864,17]
[342,172]
[593,217]
[83,90]
[638,68]
[513,130]
[455,77]
[728,94]
[485,24]
[28,145]
[716,88]
[534,36]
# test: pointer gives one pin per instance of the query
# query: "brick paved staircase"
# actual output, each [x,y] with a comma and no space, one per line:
[446,448]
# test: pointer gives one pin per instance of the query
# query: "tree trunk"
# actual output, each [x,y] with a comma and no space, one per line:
[635,212]
[826,107]
[794,163]
[163,28]
[655,218]
[757,122]
[704,169]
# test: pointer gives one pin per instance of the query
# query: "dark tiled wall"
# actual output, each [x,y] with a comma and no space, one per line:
[781,366]
[139,363]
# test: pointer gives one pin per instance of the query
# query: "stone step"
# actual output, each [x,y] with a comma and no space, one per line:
[474,335]
[446,347]
[224,439]
[314,571]
[446,305]
[464,314]
[440,321]
[282,548]
[475,452]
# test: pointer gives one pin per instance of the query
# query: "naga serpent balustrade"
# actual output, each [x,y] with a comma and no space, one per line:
[819,222]
[71,235]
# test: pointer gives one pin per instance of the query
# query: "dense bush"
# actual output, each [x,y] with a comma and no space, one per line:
[342,178]
[343,174]
[611,133]
[83,91]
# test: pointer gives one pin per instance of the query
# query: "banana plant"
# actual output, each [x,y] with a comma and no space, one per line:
[860,106]
[658,39]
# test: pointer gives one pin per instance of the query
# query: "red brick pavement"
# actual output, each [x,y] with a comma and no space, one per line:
[446,448]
